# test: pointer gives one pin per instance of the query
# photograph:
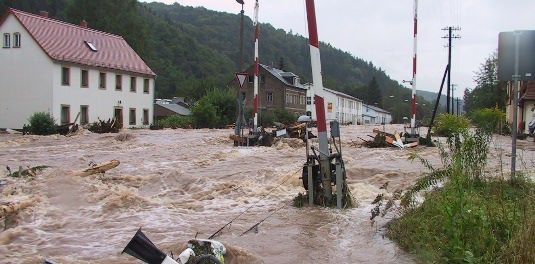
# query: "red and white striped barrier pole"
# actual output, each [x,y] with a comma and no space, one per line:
[256,67]
[317,90]
[413,119]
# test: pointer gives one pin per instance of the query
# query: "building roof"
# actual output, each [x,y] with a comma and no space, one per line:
[179,109]
[529,93]
[66,42]
[341,94]
[280,74]
[377,109]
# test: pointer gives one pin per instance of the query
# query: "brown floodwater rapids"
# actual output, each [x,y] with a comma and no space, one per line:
[178,184]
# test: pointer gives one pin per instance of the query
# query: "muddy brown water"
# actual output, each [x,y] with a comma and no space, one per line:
[177,184]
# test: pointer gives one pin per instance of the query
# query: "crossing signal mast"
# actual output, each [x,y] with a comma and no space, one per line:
[413,82]
[256,68]
[323,168]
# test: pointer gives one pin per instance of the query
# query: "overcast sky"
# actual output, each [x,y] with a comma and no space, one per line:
[380,31]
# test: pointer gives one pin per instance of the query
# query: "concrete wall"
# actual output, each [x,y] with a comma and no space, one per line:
[25,78]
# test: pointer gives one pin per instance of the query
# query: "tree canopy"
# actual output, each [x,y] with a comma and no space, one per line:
[489,91]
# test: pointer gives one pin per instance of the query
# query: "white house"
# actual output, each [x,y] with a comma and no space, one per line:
[51,66]
[339,106]
[375,115]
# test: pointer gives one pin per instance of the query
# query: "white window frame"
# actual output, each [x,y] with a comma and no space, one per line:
[16,40]
[7,40]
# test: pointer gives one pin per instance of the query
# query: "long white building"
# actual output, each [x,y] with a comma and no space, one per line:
[47,65]
[339,106]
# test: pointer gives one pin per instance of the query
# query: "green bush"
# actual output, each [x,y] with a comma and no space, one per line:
[42,123]
[216,109]
[266,118]
[284,116]
[450,125]
[472,218]
[175,121]
[489,119]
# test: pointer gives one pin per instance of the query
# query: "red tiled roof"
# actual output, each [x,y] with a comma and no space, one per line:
[66,42]
[530,91]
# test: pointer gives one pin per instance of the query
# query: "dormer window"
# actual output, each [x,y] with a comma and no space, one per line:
[91,46]
[7,40]
[16,40]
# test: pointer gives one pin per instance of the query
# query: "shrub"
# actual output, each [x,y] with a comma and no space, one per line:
[472,218]
[489,119]
[175,121]
[450,125]
[216,109]
[204,115]
[42,123]
[284,116]
[266,118]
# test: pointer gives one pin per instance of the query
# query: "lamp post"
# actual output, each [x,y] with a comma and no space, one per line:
[241,33]
[240,118]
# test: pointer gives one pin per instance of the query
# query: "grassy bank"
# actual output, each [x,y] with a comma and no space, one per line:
[472,218]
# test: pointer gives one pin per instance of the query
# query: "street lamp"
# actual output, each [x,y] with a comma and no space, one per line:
[241,33]
[240,119]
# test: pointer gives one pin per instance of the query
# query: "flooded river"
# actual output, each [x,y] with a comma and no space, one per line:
[178,184]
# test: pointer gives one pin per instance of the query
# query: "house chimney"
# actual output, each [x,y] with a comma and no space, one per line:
[43,14]
[83,24]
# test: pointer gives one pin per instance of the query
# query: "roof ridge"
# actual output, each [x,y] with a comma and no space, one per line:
[14,11]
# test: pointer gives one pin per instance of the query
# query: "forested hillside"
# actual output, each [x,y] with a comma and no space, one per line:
[195,49]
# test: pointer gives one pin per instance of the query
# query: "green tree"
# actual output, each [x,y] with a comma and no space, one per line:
[489,91]
[215,110]
[119,17]
[374,95]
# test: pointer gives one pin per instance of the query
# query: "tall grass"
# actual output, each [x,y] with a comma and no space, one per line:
[473,217]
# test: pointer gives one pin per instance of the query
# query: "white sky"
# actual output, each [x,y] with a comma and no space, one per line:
[380,31]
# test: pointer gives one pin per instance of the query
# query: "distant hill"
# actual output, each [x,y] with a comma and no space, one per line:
[195,49]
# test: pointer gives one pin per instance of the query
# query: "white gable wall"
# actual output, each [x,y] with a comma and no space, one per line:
[25,78]
[101,102]
[31,82]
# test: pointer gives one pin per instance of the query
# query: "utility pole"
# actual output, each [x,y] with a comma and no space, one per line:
[449,37]
[458,104]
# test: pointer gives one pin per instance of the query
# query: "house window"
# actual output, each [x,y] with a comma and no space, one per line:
[7,40]
[133,84]
[270,97]
[309,100]
[145,116]
[262,78]
[84,80]
[146,86]
[102,80]
[16,40]
[65,76]
[132,117]
[118,82]
[251,78]
[65,114]
[84,114]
